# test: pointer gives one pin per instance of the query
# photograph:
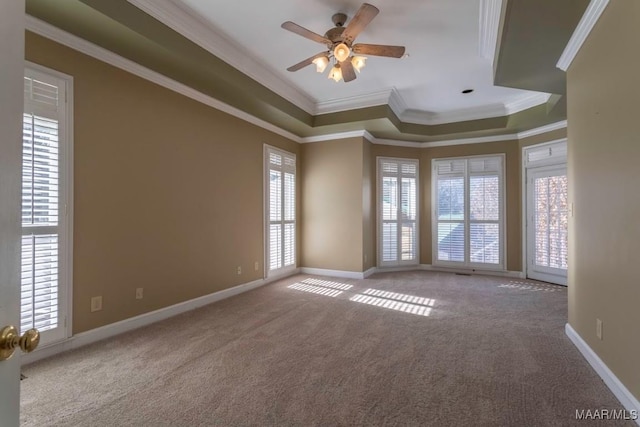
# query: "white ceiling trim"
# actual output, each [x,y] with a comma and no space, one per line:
[479,140]
[485,112]
[446,143]
[543,129]
[51,32]
[425,118]
[582,31]
[410,144]
[334,136]
[526,103]
[354,102]
[81,45]
[489,27]
[181,19]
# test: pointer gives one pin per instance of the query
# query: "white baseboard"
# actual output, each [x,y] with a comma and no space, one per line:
[500,273]
[369,272]
[334,273]
[145,319]
[625,397]
[397,268]
[425,267]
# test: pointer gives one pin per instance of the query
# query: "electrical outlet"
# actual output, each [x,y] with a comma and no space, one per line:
[139,293]
[256,266]
[96,304]
[599,329]
[239,270]
[365,257]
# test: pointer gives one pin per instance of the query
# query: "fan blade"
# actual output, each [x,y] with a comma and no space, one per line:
[348,73]
[301,31]
[365,14]
[378,50]
[306,62]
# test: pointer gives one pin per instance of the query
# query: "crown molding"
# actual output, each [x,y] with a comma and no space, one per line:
[360,101]
[397,103]
[428,118]
[62,37]
[83,46]
[185,21]
[444,143]
[525,103]
[476,113]
[410,144]
[542,129]
[489,28]
[334,136]
[582,31]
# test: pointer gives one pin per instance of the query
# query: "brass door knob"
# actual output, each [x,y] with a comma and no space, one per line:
[9,340]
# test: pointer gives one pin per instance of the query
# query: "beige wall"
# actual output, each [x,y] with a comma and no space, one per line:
[368,206]
[332,205]
[604,149]
[168,192]
[545,137]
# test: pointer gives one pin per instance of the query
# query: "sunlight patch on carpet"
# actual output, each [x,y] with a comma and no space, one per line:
[394,301]
[327,284]
[315,289]
[533,287]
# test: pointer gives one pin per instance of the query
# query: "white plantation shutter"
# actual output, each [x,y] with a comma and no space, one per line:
[398,211]
[280,195]
[551,216]
[468,211]
[42,195]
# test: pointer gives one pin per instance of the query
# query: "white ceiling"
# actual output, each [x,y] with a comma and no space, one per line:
[442,38]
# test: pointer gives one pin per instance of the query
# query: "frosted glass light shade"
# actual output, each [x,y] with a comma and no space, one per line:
[321,63]
[341,52]
[336,73]
[358,62]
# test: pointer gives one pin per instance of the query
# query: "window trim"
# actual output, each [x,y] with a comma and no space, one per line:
[66,205]
[379,221]
[285,270]
[468,265]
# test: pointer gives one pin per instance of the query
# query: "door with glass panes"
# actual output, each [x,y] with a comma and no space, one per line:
[547,219]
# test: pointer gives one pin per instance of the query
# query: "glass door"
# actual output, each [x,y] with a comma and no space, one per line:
[547,224]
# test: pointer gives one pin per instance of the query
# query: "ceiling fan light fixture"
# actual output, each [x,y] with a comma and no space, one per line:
[341,52]
[358,62]
[321,63]
[336,73]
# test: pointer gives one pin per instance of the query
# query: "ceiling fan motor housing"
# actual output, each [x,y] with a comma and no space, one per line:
[335,34]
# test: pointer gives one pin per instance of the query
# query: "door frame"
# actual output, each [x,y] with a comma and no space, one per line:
[12,26]
[552,160]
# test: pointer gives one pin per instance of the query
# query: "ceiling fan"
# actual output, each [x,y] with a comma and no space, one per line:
[339,41]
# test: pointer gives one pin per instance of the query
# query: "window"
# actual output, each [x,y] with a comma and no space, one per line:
[45,275]
[468,211]
[280,210]
[397,212]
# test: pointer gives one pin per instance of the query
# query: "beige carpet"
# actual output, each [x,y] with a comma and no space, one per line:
[398,349]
